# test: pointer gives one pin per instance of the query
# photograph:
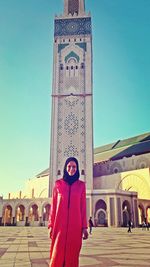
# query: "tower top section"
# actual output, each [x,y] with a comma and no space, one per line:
[74,7]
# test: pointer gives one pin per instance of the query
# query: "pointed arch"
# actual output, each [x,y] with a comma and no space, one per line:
[135,182]
[72,54]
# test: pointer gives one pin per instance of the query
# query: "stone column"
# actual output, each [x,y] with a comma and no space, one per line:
[112,211]
[14,221]
[108,211]
[26,221]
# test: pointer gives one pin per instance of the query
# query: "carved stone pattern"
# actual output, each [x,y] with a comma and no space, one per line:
[71,104]
[61,81]
[82,131]
[71,150]
[74,26]
[71,124]
[82,80]
[72,82]
[115,168]
[59,132]
[71,127]
[142,162]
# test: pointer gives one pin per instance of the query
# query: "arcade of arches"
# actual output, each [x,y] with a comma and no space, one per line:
[114,210]
[114,200]
[126,196]
[127,209]
[26,213]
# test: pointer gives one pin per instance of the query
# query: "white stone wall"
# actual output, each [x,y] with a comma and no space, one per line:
[122,165]
[27,204]
[134,180]
[114,217]
[107,181]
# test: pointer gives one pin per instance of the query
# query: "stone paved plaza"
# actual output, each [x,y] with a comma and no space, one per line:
[29,247]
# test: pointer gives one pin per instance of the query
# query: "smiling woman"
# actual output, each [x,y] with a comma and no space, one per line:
[66,231]
[71,168]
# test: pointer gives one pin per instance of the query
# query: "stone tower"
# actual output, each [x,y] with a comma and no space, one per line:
[72,107]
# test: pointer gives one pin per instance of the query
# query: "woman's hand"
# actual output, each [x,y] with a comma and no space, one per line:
[84,234]
[50,232]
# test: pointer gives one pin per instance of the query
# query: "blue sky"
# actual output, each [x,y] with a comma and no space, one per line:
[121,79]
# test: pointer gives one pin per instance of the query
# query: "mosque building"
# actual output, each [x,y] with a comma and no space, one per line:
[117,175]
[121,188]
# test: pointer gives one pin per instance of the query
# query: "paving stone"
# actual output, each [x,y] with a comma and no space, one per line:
[106,247]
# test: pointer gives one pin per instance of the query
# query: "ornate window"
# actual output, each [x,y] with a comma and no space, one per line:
[73,6]
[61,66]
[82,65]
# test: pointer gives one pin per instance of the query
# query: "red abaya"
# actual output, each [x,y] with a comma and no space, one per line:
[67,219]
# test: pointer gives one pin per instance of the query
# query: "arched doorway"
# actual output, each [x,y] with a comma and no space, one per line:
[135,182]
[100,213]
[125,218]
[126,209]
[46,212]
[101,217]
[20,213]
[33,215]
[141,214]
[7,215]
[148,214]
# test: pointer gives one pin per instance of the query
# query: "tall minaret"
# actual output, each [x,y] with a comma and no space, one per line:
[72,107]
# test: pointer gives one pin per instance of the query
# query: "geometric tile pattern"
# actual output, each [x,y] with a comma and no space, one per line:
[82,45]
[71,125]
[73,26]
[72,82]
[72,54]
[71,150]
[106,247]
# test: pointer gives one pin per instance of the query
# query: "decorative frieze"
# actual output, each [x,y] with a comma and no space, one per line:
[73,26]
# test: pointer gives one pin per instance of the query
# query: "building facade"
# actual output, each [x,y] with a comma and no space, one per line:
[117,175]
[121,189]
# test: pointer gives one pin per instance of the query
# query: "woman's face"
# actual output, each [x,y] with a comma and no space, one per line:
[71,168]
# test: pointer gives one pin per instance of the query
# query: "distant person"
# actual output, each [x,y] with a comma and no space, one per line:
[129,226]
[143,225]
[67,221]
[90,225]
[147,226]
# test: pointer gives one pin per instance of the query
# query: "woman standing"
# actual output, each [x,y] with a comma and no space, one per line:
[67,220]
